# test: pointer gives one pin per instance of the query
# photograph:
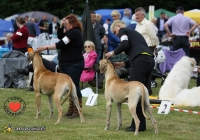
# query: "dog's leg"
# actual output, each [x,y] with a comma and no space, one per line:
[50,106]
[57,101]
[79,109]
[119,116]
[153,120]
[108,108]
[38,104]
[132,104]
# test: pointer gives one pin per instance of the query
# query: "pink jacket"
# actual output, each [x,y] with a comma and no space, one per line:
[90,59]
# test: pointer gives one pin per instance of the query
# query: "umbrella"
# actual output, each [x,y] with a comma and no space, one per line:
[193,14]
[88,31]
[38,15]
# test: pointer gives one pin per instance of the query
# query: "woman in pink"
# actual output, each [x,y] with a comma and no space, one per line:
[90,57]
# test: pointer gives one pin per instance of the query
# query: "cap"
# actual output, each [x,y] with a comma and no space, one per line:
[179,8]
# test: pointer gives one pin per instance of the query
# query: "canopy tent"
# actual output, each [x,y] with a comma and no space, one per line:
[158,12]
[38,15]
[5,27]
[193,14]
[106,13]
[13,17]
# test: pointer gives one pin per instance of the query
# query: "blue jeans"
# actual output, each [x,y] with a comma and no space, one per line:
[74,71]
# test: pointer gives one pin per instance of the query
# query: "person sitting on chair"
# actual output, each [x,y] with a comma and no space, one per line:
[90,57]
[121,72]
[50,65]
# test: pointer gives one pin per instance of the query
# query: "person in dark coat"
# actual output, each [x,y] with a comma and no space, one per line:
[99,33]
[53,26]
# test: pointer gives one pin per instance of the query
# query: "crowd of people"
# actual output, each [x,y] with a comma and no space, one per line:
[130,40]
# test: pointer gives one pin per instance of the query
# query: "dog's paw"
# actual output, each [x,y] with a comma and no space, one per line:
[37,116]
[51,115]
[106,128]
[56,122]
[117,128]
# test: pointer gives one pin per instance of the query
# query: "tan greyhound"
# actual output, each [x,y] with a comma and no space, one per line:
[119,91]
[50,83]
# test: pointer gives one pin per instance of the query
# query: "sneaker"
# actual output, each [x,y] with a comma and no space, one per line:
[23,71]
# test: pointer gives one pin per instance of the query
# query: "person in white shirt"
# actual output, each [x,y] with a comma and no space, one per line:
[146,28]
[105,25]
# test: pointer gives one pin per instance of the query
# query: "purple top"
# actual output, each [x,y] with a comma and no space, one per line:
[180,24]
[171,58]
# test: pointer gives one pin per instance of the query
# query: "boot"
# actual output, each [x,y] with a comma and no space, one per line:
[75,110]
[70,108]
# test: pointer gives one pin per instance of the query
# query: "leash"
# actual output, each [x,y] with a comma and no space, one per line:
[56,69]
[181,110]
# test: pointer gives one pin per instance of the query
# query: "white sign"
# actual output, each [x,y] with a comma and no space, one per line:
[164,107]
[151,12]
[92,100]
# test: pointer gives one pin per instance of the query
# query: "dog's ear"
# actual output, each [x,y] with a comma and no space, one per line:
[102,65]
[31,55]
[193,62]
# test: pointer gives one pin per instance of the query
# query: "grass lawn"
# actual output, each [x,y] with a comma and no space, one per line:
[174,126]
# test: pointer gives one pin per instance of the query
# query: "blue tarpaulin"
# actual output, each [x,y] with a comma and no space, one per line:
[5,27]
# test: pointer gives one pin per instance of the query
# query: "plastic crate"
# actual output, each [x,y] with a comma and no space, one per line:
[3,50]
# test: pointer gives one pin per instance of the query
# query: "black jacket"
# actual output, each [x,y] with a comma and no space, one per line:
[50,29]
[135,44]
[99,33]
[158,23]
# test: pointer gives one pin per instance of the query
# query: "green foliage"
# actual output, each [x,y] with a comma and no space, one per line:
[62,8]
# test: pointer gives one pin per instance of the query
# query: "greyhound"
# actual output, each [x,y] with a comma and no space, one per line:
[50,83]
[119,91]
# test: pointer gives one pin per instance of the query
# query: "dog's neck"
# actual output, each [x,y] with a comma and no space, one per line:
[110,71]
[37,62]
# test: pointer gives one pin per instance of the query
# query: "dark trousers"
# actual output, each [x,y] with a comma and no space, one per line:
[160,35]
[198,81]
[50,65]
[140,70]
[182,42]
[153,78]
[74,71]
[23,50]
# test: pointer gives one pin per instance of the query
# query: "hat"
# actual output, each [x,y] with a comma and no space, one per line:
[179,8]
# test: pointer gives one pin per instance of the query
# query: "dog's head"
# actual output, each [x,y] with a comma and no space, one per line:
[103,65]
[32,54]
[193,62]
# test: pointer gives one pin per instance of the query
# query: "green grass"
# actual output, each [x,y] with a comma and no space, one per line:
[174,126]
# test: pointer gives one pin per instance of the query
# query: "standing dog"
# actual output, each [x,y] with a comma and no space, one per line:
[50,83]
[119,91]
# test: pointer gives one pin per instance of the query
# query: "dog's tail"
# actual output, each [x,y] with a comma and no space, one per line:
[69,90]
[143,101]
